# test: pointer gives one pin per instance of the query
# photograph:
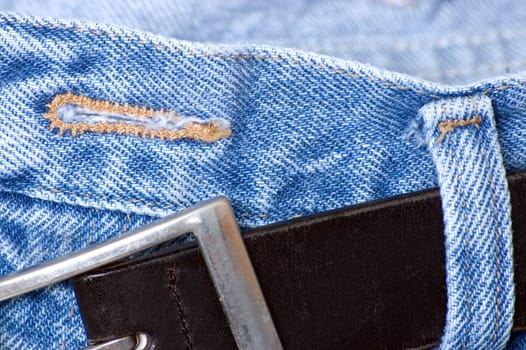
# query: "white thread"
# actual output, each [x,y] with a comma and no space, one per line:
[72,113]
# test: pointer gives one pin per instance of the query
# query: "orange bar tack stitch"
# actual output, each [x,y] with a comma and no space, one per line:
[448,126]
[79,114]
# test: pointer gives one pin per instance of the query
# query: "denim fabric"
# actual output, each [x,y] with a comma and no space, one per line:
[309,133]
[458,41]
[462,139]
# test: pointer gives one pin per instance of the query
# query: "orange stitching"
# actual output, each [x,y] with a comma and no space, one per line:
[241,56]
[141,42]
[448,126]
[210,131]
[246,56]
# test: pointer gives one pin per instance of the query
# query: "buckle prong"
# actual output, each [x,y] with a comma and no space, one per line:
[214,226]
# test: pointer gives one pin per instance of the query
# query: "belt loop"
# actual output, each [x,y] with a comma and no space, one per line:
[462,138]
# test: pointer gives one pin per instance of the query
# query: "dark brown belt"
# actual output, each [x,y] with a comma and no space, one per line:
[366,277]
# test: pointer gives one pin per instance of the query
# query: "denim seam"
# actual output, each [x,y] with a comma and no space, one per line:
[262,57]
[496,228]
[463,204]
[497,248]
[140,202]
[466,227]
[134,201]
[467,245]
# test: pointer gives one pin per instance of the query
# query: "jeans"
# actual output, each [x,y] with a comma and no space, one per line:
[104,129]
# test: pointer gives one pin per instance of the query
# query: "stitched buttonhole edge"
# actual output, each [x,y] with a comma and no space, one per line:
[78,114]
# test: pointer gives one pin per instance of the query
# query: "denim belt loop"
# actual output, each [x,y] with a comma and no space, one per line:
[462,138]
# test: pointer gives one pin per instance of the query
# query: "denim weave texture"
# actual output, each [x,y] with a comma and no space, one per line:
[309,133]
[477,216]
[454,42]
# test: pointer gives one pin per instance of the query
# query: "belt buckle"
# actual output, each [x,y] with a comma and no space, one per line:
[215,228]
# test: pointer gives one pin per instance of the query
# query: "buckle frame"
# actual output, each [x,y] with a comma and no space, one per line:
[214,226]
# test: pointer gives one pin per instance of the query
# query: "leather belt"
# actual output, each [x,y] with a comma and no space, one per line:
[367,277]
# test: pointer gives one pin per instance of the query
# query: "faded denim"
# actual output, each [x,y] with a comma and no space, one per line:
[309,132]
[462,139]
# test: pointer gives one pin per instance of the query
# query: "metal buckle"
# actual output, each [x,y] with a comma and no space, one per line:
[135,342]
[215,228]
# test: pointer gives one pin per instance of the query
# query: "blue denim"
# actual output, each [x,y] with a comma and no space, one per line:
[453,42]
[463,141]
[309,133]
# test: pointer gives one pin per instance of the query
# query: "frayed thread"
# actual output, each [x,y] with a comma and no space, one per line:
[415,130]
[415,133]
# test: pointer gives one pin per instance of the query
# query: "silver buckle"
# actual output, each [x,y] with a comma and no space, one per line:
[215,228]
[132,342]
